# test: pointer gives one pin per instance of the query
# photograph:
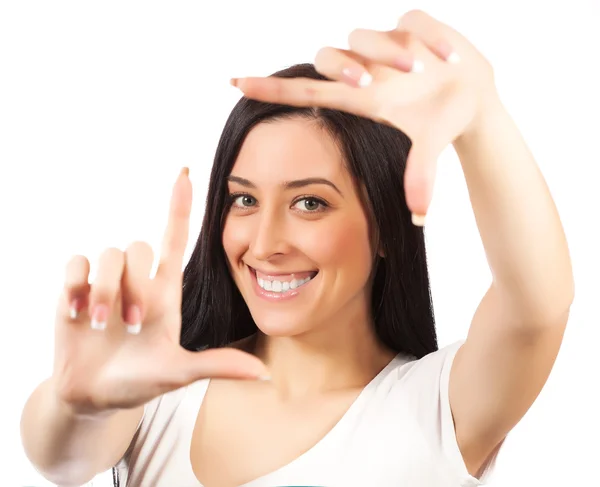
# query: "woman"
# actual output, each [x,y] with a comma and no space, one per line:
[310,275]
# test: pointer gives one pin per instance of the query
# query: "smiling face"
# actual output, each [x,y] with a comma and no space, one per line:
[297,236]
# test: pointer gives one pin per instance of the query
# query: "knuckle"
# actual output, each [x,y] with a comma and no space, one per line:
[322,57]
[77,261]
[329,62]
[413,15]
[139,257]
[110,265]
[403,39]
[356,35]
[139,247]
[311,95]
[132,293]
[76,271]
[279,95]
[104,293]
[112,254]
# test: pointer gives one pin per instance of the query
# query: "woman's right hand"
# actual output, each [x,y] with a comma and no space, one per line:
[117,339]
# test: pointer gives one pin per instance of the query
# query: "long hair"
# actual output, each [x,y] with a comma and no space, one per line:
[214,313]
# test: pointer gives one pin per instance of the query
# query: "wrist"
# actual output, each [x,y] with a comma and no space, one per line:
[71,410]
[488,114]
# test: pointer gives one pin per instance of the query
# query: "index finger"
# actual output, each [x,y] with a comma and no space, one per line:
[303,92]
[176,235]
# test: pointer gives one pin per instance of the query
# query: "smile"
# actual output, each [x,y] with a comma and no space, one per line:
[279,286]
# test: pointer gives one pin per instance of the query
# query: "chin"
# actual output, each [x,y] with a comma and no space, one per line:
[280,324]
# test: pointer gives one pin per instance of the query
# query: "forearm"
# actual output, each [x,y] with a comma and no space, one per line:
[69,449]
[524,241]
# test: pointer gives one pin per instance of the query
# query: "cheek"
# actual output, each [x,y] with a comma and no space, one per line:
[344,245]
[234,239]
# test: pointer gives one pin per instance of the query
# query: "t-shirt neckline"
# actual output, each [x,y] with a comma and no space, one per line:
[202,387]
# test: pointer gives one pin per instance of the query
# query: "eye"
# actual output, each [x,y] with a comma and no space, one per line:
[243,200]
[310,205]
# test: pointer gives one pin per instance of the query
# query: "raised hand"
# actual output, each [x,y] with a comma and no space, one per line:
[117,340]
[423,78]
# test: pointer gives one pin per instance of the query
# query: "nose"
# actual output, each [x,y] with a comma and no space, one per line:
[270,236]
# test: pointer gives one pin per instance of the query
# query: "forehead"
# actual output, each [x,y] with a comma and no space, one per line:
[289,149]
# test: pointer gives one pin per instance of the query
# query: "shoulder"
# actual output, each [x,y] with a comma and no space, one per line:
[425,374]
[415,393]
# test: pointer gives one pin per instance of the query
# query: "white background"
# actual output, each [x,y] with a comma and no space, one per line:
[101,103]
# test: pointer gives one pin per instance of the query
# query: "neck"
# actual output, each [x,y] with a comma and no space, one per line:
[335,355]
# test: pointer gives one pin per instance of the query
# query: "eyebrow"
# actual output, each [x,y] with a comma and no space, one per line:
[297,183]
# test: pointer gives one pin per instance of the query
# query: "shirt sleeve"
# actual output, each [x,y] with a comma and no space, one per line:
[428,382]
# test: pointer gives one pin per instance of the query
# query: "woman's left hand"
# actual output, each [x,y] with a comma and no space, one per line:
[423,78]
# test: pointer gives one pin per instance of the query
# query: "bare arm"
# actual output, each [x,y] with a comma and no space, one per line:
[81,421]
[516,332]
[517,329]
[68,449]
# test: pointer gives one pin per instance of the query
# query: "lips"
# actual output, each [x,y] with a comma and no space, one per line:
[280,276]
[277,286]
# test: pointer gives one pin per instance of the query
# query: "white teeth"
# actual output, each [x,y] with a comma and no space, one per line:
[281,286]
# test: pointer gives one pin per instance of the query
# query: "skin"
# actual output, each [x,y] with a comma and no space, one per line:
[319,346]
[514,336]
[517,329]
[275,233]
[102,376]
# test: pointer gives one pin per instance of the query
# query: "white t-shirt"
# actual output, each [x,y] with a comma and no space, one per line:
[398,432]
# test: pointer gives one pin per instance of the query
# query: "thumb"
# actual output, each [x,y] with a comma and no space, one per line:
[221,363]
[419,177]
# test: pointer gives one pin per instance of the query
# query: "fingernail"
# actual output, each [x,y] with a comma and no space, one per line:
[185,170]
[365,80]
[234,82]
[73,311]
[134,320]
[453,58]
[264,378]
[134,329]
[404,63]
[357,76]
[99,317]
[447,52]
[418,220]
[418,66]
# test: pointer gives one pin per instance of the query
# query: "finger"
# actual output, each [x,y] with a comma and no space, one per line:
[222,363]
[390,49]
[419,177]
[431,32]
[134,284]
[176,234]
[76,287]
[304,92]
[106,286]
[342,65]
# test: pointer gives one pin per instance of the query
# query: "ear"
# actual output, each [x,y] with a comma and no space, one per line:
[381,253]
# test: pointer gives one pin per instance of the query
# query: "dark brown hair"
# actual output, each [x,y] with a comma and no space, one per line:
[213,311]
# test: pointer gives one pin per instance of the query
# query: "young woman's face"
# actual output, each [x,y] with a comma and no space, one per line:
[296,236]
